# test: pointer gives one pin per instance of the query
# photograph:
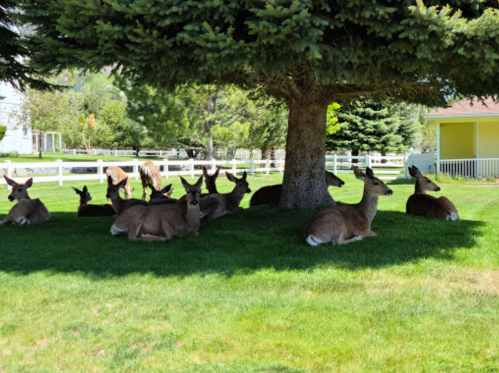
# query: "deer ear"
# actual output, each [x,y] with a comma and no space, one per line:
[109,180]
[411,172]
[416,171]
[28,182]
[185,184]
[122,183]
[77,191]
[217,171]
[199,183]
[244,175]
[205,171]
[9,181]
[358,173]
[230,177]
[369,173]
[85,189]
[166,189]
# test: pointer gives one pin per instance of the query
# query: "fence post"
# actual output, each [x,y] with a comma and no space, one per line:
[136,168]
[280,166]
[165,168]
[74,151]
[252,167]
[100,170]
[267,165]
[334,164]
[191,167]
[368,161]
[214,165]
[234,168]
[59,172]
[8,172]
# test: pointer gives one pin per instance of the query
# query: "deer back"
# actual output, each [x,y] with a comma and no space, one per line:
[115,175]
[150,177]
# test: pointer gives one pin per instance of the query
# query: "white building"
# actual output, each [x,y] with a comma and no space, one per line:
[18,138]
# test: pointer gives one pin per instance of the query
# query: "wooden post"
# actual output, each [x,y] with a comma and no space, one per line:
[8,172]
[74,151]
[59,172]
[334,164]
[252,167]
[438,148]
[100,170]
[234,168]
[165,168]
[136,168]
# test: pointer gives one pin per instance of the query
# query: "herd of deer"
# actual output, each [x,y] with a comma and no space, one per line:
[163,218]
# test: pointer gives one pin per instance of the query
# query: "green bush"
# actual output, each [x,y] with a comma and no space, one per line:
[3,129]
[9,155]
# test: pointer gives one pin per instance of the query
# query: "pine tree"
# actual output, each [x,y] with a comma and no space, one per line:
[309,53]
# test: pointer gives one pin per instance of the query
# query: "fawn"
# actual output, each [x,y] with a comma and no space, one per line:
[26,210]
[162,222]
[150,176]
[116,175]
[422,204]
[272,193]
[345,223]
[120,204]
[86,209]
[210,180]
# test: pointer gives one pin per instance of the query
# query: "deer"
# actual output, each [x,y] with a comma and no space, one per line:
[271,194]
[85,209]
[210,180]
[422,204]
[26,210]
[346,223]
[120,204]
[117,175]
[150,177]
[161,196]
[217,205]
[162,222]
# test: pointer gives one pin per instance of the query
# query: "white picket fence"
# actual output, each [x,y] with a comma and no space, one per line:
[338,164]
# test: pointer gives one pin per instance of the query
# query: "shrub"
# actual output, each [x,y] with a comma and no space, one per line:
[3,129]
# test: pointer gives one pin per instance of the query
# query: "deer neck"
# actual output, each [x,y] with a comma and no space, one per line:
[117,203]
[212,189]
[419,189]
[236,196]
[193,216]
[368,205]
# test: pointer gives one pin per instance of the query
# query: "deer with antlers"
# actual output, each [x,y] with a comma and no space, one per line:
[162,222]
[26,210]
[345,223]
[422,204]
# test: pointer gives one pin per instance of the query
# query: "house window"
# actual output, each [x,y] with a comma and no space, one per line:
[25,131]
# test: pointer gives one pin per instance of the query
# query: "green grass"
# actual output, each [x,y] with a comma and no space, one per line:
[248,295]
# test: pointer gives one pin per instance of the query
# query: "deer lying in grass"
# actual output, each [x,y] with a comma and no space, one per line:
[162,222]
[120,204]
[86,209]
[227,202]
[346,223]
[116,175]
[150,177]
[422,204]
[272,193]
[27,210]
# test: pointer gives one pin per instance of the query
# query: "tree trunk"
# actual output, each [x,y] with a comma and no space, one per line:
[355,153]
[383,160]
[210,150]
[304,184]
[272,158]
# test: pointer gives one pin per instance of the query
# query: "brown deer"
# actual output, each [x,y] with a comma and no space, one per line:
[422,204]
[272,193]
[120,204]
[209,181]
[117,175]
[150,177]
[161,196]
[345,223]
[86,209]
[27,210]
[162,222]
[227,202]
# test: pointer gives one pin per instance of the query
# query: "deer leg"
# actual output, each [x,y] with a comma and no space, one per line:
[134,231]
[5,220]
[144,193]
[219,214]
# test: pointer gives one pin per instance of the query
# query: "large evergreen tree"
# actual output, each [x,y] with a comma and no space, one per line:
[368,125]
[309,53]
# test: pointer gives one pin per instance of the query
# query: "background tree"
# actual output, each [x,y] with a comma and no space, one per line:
[368,125]
[3,130]
[309,53]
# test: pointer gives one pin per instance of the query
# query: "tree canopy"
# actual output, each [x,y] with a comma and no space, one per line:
[308,53]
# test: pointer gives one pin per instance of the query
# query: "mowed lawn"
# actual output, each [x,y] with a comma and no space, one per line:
[248,295]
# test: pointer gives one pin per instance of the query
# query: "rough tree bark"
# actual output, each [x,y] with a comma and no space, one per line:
[304,184]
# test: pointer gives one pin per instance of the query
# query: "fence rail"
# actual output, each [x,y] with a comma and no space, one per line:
[470,168]
[191,167]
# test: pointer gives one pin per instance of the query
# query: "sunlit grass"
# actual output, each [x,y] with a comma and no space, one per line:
[248,295]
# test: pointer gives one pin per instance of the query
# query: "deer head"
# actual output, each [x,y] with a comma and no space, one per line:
[423,183]
[333,180]
[372,184]
[192,192]
[84,195]
[113,191]
[18,190]
[160,195]
[242,185]
[210,180]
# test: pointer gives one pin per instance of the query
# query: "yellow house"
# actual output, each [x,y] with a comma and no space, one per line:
[467,138]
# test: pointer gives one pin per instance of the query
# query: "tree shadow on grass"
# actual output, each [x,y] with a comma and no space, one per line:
[243,242]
